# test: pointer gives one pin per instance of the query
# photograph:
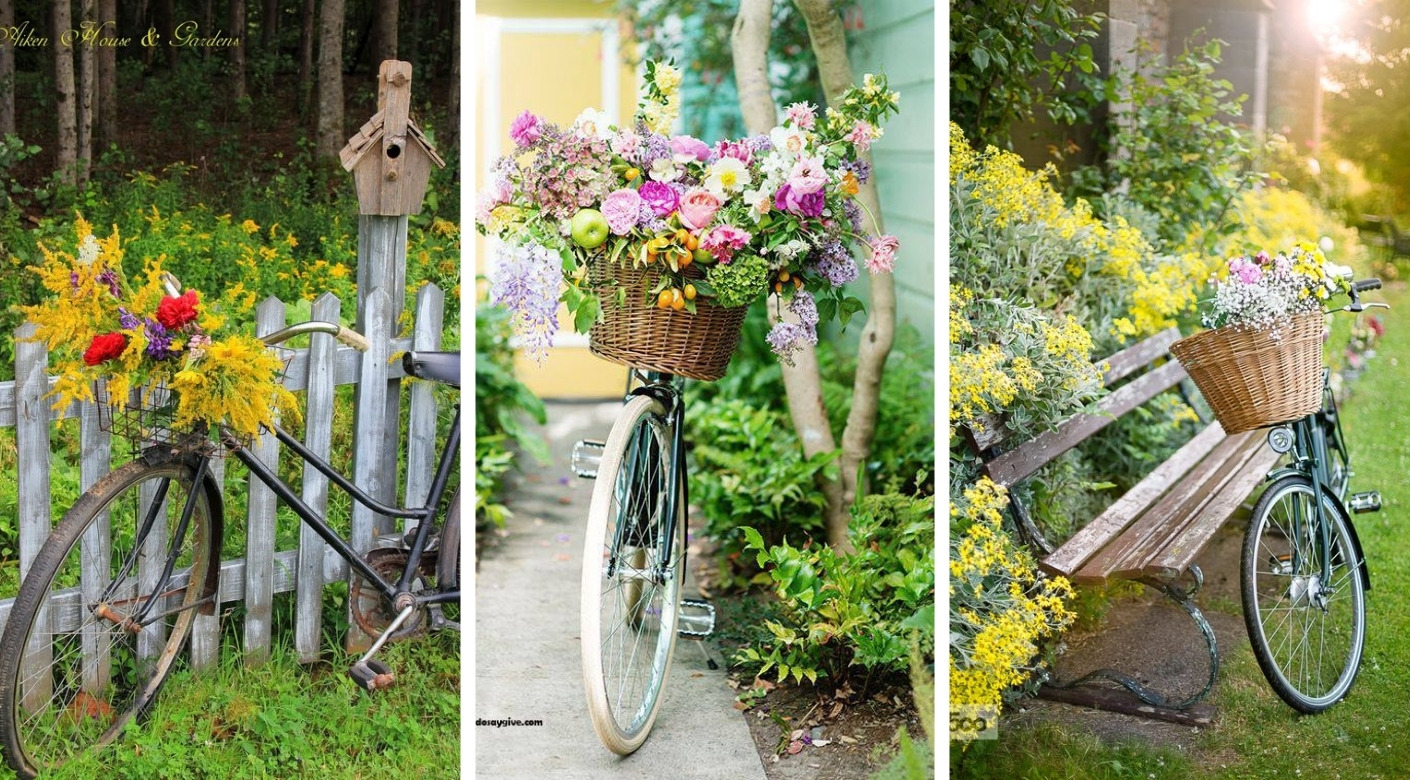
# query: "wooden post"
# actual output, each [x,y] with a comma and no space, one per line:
[318,436]
[368,471]
[96,447]
[391,164]
[421,451]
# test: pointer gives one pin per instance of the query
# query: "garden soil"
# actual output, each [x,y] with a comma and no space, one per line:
[527,664]
[1151,639]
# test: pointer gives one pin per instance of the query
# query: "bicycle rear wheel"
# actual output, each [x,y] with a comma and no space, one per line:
[90,638]
[631,583]
[1307,626]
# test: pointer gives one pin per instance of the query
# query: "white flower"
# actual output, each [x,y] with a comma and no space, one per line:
[88,250]
[664,169]
[593,124]
[789,140]
[728,175]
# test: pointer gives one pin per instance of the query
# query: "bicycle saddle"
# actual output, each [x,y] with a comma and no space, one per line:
[435,366]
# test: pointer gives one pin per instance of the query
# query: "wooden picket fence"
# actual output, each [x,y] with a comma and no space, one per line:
[313,373]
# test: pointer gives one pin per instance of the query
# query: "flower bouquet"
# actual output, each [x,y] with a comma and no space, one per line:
[160,364]
[657,243]
[1261,362]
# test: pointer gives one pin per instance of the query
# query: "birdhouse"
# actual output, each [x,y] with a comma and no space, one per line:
[390,157]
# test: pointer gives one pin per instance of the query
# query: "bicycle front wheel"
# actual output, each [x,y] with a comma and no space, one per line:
[104,610]
[633,563]
[1307,624]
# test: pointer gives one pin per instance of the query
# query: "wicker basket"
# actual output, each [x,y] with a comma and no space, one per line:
[1252,379]
[638,334]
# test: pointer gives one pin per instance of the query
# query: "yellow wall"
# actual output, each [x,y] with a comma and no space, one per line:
[556,75]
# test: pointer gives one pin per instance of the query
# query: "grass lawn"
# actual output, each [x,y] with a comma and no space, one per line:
[1256,735]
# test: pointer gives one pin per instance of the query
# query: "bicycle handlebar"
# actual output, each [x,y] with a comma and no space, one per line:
[1366,285]
[346,335]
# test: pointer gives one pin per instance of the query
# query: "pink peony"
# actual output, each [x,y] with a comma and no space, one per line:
[883,254]
[698,207]
[801,115]
[622,209]
[1244,271]
[659,197]
[735,149]
[685,148]
[525,130]
[808,175]
[723,241]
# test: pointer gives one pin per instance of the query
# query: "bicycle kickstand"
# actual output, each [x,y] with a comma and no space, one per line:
[373,675]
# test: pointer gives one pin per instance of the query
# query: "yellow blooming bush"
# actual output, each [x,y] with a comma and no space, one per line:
[1001,606]
[140,336]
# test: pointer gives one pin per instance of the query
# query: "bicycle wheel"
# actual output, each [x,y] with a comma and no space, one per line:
[631,585]
[1307,626]
[89,640]
[1338,459]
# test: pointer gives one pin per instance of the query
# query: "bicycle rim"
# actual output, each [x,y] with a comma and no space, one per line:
[1307,626]
[631,593]
[75,665]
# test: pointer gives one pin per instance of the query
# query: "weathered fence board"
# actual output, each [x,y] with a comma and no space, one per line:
[259,522]
[318,436]
[369,471]
[421,451]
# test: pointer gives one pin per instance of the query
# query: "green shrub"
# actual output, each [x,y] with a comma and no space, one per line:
[856,609]
[503,407]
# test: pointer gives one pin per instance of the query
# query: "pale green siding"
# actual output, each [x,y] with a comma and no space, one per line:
[898,38]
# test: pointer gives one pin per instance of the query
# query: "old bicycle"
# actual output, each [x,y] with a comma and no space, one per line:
[1303,575]
[102,616]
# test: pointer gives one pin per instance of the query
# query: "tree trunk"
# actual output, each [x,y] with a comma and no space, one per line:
[386,32]
[305,58]
[7,71]
[750,44]
[453,105]
[107,77]
[835,69]
[237,52]
[66,146]
[330,80]
[165,13]
[87,89]
[269,31]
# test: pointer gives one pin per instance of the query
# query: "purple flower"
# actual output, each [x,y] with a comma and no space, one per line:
[724,240]
[660,197]
[526,130]
[758,143]
[622,209]
[127,320]
[859,168]
[804,204]
[158,341]
[526,280]
[806,308]
[834,263]
[853,210]
[650,148]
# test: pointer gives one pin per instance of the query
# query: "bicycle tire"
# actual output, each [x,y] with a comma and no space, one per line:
[77,691]
[448,561]
[1287,604]
[623,612]
[1339,459]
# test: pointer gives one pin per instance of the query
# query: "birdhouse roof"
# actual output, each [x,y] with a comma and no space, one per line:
[371,133]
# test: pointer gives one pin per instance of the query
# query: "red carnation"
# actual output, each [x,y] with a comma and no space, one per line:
[105,347]
[172,313]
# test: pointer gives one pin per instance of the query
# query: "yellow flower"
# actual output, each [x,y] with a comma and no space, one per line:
[248,226]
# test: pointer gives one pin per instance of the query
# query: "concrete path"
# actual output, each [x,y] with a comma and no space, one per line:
[527,664]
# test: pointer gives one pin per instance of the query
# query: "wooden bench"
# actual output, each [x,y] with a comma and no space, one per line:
[1152,533]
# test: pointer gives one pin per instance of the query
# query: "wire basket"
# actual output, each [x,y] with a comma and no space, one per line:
[640,335]
[147,419]
[1254,378]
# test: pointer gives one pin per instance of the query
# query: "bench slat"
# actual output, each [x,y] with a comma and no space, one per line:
[1152,528]
[1181,553]
[1127,361]
[1022,461]
[1088,540]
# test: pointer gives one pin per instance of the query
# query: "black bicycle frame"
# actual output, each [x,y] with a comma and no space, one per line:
[424,516]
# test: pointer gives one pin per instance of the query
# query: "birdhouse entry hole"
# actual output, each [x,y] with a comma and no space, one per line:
[394,151]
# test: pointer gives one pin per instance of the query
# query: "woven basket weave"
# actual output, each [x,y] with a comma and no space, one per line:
[638,334]
[1252,379]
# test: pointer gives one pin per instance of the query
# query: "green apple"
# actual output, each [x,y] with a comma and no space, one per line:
[702,257]
[589,228]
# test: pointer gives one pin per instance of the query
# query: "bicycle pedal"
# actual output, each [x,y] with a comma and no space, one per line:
[1369,501]
[587,456]
[371,675]
[697,619]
